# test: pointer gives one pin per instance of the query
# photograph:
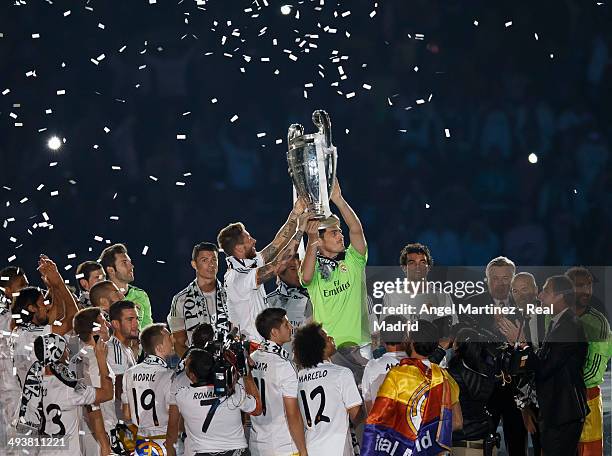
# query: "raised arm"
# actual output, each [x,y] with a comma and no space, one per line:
[270,269]
[284,234]
[64,305]
[105,392]
[251,389]
[310,259]
[356,234]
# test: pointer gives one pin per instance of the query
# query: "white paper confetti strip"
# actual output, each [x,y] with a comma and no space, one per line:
[145,249]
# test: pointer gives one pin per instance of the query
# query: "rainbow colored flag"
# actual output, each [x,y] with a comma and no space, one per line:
[412,414]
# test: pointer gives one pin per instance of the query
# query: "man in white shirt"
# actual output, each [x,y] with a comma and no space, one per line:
[291,296]
[213,424]
[124,321]
[88,273]
[90,324]
[376,369]
[248,270]
[54,389]
[202,301]
[12,279]
[103,294]
[328,394]
[146,388]
[40,314]
[279,430]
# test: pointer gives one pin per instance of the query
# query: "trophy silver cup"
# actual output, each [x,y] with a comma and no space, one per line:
[312,163]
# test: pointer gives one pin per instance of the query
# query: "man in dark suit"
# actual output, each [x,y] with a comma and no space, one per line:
[531,328]
[560,388]
[499,273]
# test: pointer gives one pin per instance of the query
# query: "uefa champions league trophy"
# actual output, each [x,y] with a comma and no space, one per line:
[312,163]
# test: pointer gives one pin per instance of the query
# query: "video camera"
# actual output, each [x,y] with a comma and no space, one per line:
[230,352]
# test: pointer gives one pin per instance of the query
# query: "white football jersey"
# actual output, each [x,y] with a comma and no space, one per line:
[5,330]
[275,378]
[86,369]
[10,391]
[219,431]
[325,393]
[375,372]
[22,347]
[245,299]
[296,303]
[146,388]
[120,358]
[62,411]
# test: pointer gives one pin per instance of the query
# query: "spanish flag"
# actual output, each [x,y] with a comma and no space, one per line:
[412,414]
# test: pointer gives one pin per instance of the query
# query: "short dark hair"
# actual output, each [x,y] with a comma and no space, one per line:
[86,268]
[99,290]
[269,319]
[203,247]
[230,236]
[117,308]
[564,286]
[201,364]
[425,339]
[107,257]
[415,247]
[309,345]
[83,322]
[151,337]
[578,271]
[202,334]
[394,337]
[27,296]
[9,274]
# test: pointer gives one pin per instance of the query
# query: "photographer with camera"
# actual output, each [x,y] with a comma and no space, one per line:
[212,420]
[476,382]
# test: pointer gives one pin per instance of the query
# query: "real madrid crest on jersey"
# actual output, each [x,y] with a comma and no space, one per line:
[148,448]
[343,267]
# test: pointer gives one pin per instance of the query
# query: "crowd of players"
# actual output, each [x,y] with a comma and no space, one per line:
[93,375]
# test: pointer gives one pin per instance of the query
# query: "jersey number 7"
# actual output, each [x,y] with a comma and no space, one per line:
[211,413]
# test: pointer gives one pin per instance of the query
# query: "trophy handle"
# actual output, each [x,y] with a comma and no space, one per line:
[321,119]
[295,130]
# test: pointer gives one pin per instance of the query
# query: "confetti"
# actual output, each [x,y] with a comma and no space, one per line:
[61,92]
[234,118]
[181,136]
[145,249]
[508,24]
[35,35]
[12,258]
[447,132]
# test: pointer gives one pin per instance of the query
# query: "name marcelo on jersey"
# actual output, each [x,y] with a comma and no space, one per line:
[313,375]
